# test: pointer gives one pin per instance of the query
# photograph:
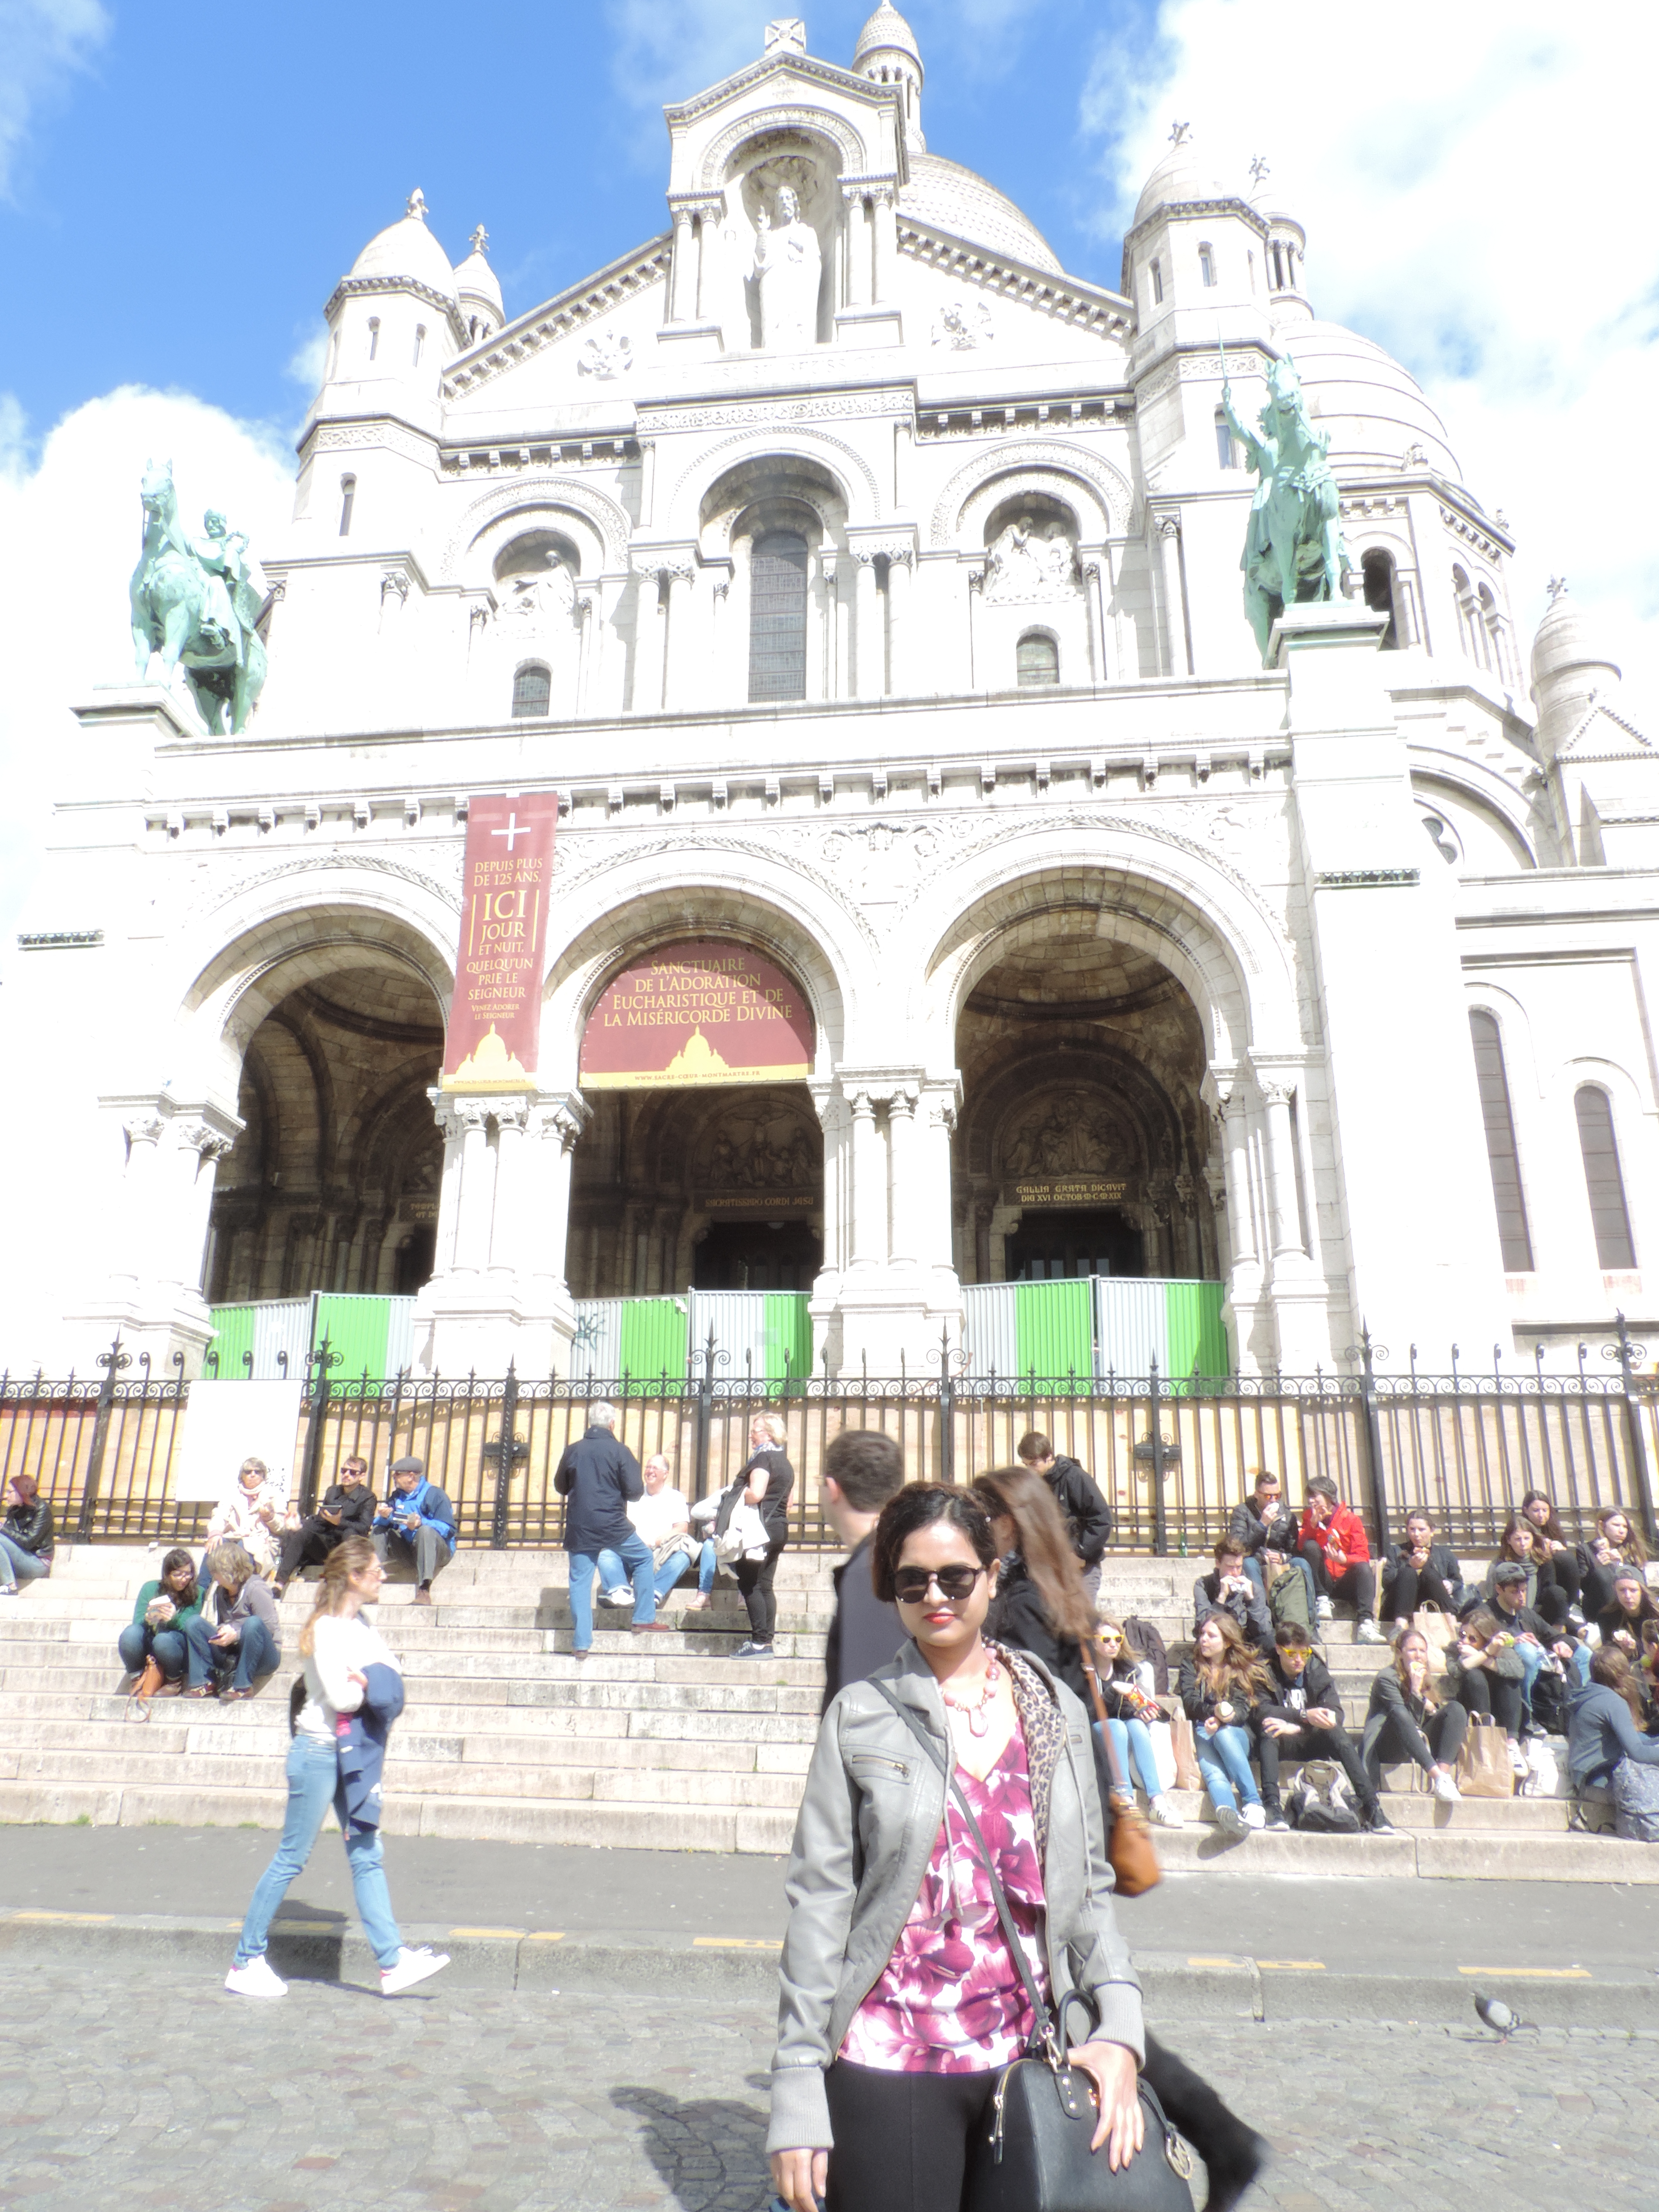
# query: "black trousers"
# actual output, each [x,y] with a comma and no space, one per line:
[902,2139]
[1333,1743]
[1357,1581]
[1411,1589]
[1480,1691]
[1387,1747]
[307,1546]
[754,1579]
[1595,1591]
[1567,1576]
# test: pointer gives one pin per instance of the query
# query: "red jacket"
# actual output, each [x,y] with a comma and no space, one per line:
[1345,1529]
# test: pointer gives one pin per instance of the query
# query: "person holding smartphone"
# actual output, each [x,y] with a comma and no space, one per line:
[900,1999]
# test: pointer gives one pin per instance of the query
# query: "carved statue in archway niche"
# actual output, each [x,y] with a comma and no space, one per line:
[762,1150]
[1072,1134]
[1031,560]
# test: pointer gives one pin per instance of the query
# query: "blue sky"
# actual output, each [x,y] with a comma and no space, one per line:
[182,185]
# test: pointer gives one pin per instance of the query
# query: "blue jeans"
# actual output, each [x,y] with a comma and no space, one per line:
[635,1556]
[166,1646]
[1252,1568]
[1532,1657]
[674,1570]
[1223,1760]
[1133,1747]
[255,1652]
[17,1566]
[1582,1655]
[313,1784]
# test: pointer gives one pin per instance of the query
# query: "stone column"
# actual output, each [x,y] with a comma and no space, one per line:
[1284,1227]
[899,679]
[1177,660]
[869,1185]
[685,670]
[559,1125]
[200,1149]
[510,1195]
[904,1195]
[449,1181]
[1094,592]
[477,1186]
[709,231]
[885,260]
[1234,1135]
[140,1191]
[856,232]
[649,627]
[829,567]
[869,639]
[684,272]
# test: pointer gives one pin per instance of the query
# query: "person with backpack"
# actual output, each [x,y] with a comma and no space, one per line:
[1083,1507]
[1227,1588]
[1300,1716]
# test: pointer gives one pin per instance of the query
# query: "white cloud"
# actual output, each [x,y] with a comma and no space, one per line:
[305,365]
[1470,178]
[665,54]
[43,43]
[70,532]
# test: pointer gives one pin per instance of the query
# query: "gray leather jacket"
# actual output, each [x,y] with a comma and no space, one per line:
[868,1822]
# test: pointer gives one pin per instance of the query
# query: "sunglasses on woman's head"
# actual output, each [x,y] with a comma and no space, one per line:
[912,1584]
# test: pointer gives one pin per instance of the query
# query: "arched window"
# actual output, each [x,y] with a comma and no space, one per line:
[348,500]
[1496,645]
[533,691]
[420,343]
[1501,1155]
[1376,567]
[1225,452]
[1157,283]
[1277,253]
[777,617]
[1471,632]
[374,336]
[1206,266]
[1037,659]
[1608,1215]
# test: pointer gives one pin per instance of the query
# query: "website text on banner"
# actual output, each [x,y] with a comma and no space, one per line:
[697,1013]
[495,1022]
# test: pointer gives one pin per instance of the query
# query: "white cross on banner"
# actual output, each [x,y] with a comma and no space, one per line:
[495,1020]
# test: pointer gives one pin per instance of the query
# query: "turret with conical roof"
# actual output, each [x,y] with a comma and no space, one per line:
[479,292]
[887,53]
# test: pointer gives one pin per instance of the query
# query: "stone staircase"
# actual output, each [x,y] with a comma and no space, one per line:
[659,1741]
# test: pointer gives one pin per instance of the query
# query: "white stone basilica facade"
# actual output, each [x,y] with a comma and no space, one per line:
[868,589]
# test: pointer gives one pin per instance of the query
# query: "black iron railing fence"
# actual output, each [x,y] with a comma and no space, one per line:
[1172,1454]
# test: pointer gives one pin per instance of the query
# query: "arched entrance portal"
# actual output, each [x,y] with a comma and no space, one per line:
[703,1166]
[1084,1140]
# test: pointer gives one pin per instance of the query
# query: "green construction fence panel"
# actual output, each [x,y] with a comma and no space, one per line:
[232,1336]
[355,1326]
[1194,1330]
[1054,1328]
[653,1338]
[789,1326]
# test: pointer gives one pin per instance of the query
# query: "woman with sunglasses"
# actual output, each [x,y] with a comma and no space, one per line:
[901,2002]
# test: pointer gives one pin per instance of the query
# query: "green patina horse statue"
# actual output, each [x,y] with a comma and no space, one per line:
[193,603]
[1293,550]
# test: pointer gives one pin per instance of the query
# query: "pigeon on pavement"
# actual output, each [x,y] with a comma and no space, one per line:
[1497,2016]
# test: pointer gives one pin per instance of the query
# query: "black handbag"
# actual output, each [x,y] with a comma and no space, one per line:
[1034,2157]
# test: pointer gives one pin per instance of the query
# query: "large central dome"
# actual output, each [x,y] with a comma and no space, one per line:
[946,197]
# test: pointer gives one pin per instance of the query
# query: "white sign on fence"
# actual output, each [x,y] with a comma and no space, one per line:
[230,1421]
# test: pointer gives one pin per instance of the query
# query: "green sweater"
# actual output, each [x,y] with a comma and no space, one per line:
[153,1590]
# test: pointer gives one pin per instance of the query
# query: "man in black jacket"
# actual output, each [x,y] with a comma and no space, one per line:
[601,1479]
[1228,1588]
[347,1510]
[1300,1714]
[1263,1522]
[1084,1510]
[862,1470]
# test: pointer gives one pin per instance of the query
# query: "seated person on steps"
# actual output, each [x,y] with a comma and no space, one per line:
[1485,1673]
[1220,1687]
[237,1634]
[1300,1716]
[1407,1721]
[152,1646]
[1420,1572]
[416,1525]
[1263,1525]
[249,1514]
[1339,1556]
[662,1520]
[25,1539]
[1228,1588]
[347,1510]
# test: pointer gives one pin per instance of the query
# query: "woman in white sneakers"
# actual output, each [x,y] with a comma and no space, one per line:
[339,1647]
[1405,1721]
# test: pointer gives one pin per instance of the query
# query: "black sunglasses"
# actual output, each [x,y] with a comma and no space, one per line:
[912,1584]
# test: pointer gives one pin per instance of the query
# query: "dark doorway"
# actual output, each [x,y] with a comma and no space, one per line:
[414,1256]
[757,1255]
[1098,1241]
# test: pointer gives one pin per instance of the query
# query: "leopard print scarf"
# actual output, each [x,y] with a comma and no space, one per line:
[1045,1737]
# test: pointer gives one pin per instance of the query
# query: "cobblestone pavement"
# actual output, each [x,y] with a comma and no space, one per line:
[134,2089]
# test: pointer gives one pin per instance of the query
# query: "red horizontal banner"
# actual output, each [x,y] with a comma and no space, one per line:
[494,1021]
[698,1014]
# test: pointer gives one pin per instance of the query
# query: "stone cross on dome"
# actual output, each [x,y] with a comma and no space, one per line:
[479,239]
[416,205]
[1180,133]
[1557,586]
[786,35]
[1259,169]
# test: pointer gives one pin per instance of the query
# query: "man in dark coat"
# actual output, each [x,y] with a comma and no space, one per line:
[1084,1510]
[862,1470]
[601,1479]
[347,1510]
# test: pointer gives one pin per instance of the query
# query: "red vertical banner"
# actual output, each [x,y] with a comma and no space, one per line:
[494,1019]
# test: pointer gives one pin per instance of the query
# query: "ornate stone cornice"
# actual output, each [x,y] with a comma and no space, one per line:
[354,287]
[1481,535]
[558,318]
[764,414]
[1083,307]
[1365,879]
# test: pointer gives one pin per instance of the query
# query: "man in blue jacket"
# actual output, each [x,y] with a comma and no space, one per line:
[419,1520]
[601,1477]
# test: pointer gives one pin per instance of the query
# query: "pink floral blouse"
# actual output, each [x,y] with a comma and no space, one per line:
[950,2000]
